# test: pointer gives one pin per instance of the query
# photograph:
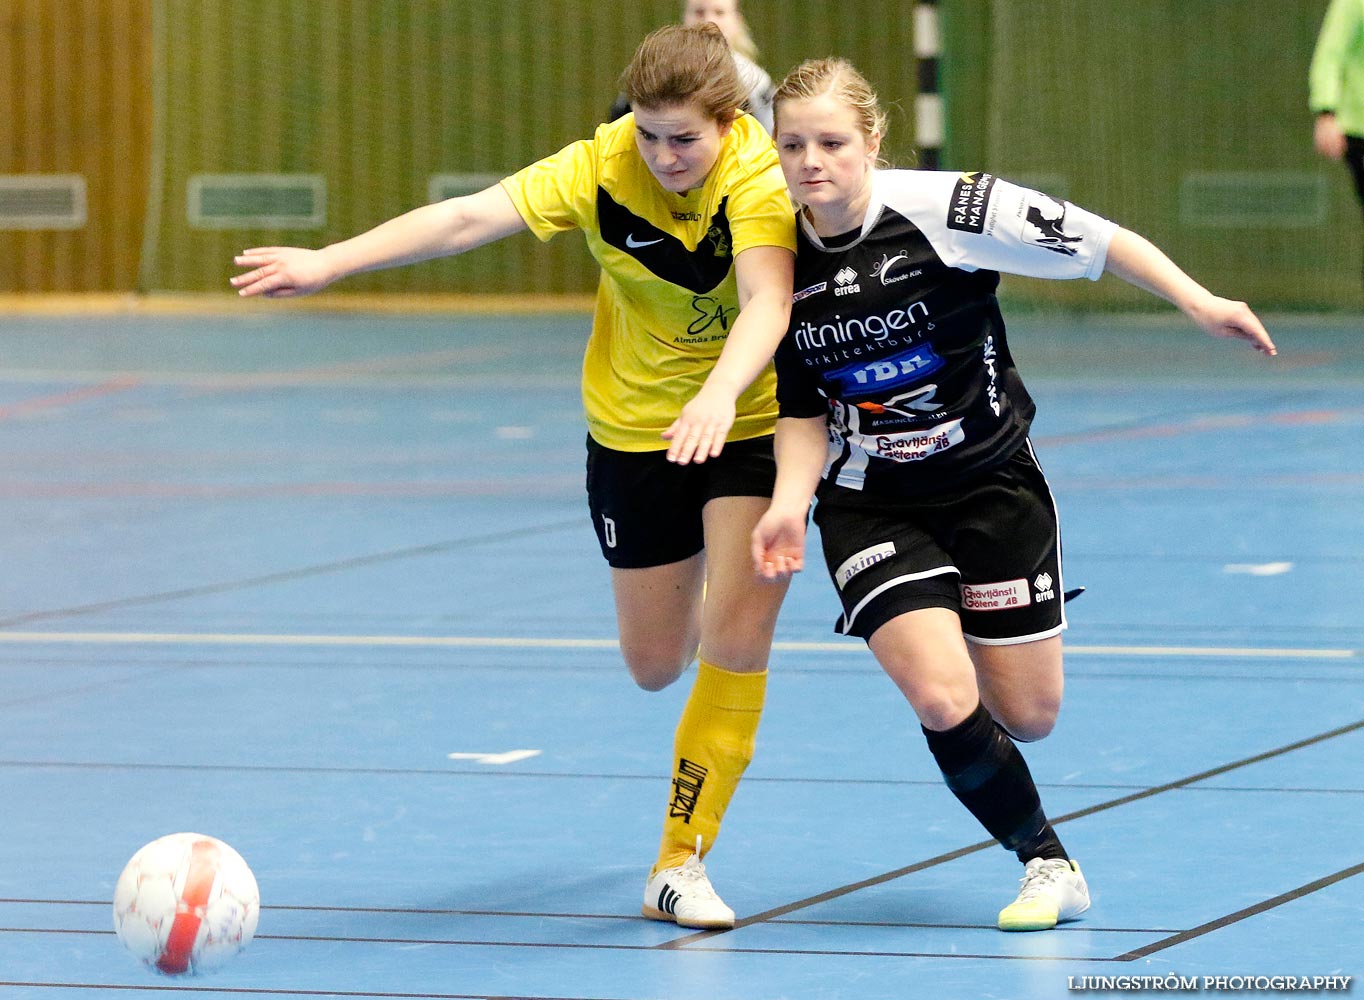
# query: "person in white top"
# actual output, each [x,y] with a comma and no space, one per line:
[725,15]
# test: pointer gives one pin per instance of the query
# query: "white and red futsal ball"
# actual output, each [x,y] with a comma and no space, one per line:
[186,903]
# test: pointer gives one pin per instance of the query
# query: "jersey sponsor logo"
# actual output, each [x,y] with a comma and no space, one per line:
[1045,226]
[805,293]
[687,216]
[885,374]
[880,329]
[1002,596]
[989,355]
[845,282]
[882,269]
[1043,585]
[970,198]
[709,311]
[913,446]
[699,271]
[912,405]
[859,561]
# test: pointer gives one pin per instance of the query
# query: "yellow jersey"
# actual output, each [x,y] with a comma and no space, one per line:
[667,294]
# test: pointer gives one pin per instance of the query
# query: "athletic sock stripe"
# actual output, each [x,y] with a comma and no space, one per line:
[203,870]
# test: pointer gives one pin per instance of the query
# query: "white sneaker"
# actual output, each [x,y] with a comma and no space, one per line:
[1053,891]
[685,896]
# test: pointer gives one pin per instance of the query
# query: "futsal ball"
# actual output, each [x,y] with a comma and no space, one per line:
[186,903]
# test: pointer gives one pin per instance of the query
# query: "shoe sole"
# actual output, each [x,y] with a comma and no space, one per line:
[653,913]
[1034,926]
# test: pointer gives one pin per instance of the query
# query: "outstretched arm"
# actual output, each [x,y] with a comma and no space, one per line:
[442,229]
[764,276]
[778,544]
[1140,262]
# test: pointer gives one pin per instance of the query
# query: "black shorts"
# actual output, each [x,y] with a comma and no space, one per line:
[647,510]
[989,550]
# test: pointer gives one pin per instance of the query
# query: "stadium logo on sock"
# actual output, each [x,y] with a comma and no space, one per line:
[686,789]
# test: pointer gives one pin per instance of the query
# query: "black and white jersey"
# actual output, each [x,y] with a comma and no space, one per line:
[897,334]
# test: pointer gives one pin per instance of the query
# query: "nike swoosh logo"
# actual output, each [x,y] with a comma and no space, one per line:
[635,244]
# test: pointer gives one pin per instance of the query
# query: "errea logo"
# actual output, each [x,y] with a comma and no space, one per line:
[845,282]
[1043,586]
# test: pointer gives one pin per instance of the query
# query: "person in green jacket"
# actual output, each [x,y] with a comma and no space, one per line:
[1336,88]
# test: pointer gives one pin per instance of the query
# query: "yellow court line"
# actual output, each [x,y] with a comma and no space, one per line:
[497,642]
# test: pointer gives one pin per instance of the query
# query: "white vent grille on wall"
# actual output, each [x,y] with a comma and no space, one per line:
[42,201]
[257,201]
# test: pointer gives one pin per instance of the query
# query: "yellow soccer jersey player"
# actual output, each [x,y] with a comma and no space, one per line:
[667,293]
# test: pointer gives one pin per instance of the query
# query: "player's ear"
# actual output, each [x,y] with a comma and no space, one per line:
[873,147]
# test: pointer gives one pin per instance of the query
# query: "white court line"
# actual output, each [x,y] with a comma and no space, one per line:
[496,642]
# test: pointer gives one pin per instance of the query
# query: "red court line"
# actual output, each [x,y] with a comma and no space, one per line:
[78,395]
[1196,425]
[538,486]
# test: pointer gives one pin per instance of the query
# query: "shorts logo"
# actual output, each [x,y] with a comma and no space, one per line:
[686,789]
[970,197]
[805,293]
[608,531]
[859,561]
[1002,596]
[1043,586]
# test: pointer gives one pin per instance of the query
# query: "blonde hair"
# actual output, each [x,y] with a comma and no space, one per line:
[839,79]
[685,65]
[742,42]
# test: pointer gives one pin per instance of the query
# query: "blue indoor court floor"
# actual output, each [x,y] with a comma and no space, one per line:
[322,584]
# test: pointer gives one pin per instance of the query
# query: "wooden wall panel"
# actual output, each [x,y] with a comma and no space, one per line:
[75,99]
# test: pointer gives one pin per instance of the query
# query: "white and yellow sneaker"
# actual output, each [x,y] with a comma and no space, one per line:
[1053,891]
[684,895]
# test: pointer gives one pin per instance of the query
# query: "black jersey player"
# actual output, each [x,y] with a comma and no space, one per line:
[901,408]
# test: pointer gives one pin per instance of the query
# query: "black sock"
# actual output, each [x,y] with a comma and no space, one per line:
[987,774]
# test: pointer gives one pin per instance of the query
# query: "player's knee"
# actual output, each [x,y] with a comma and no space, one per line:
[653,670]
[1031,722]
[941,707]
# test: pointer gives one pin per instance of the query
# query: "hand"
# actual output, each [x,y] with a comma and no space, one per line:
[281,272]
[699,431]
[1225,318]
[1328,138]
[778,544]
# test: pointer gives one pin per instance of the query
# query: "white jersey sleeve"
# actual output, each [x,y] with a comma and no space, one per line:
[761,89]
[977,221]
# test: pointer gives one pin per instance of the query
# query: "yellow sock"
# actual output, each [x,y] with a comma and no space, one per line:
[713,746]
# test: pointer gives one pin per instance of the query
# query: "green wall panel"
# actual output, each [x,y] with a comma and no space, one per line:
[1126,105]
[378,95]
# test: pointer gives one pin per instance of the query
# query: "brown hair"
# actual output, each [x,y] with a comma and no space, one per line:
[839,79]
[685,65]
